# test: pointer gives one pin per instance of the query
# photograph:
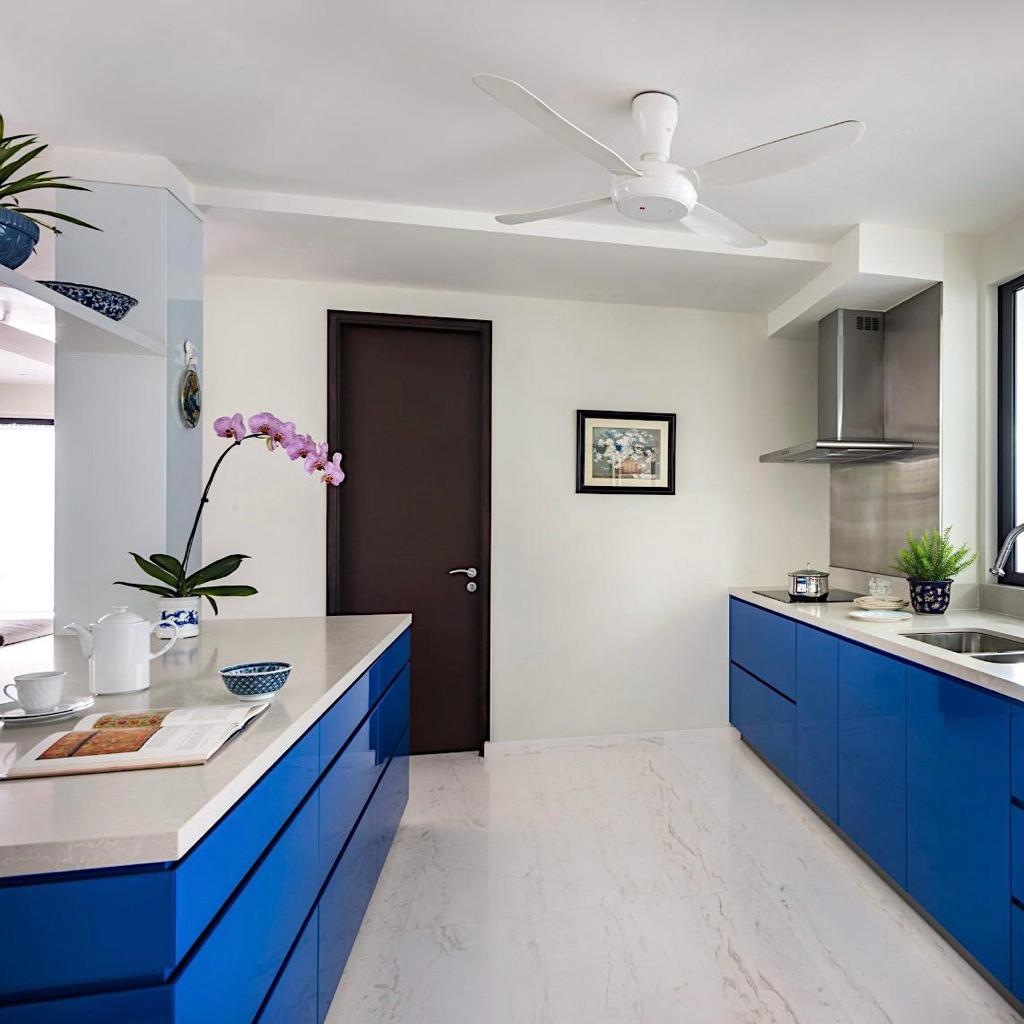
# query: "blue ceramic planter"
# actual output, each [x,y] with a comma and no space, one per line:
[930,597]
[18,237]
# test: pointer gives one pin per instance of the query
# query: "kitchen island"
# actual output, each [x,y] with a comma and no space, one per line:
[231,891]
[913,753]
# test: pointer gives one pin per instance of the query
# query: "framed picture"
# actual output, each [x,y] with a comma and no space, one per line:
[625,452]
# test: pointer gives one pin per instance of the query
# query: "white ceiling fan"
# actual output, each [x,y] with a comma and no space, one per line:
[653,188]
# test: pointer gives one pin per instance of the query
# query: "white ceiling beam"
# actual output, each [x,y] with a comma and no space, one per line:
[210,196]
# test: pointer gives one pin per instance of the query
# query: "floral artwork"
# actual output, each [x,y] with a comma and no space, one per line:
[625,452]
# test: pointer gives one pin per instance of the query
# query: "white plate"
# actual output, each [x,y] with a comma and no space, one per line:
[11,714]
[879,615]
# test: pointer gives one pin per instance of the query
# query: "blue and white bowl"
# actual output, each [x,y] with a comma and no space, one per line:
[255,680]
[110,303]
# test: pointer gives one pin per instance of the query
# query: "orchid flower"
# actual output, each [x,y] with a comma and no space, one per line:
[300,446]
[230,426]
[316,461]
[333,473]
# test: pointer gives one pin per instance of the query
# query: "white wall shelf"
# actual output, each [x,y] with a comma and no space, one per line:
[28,306]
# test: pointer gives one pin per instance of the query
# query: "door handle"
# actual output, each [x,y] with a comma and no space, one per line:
[470,572]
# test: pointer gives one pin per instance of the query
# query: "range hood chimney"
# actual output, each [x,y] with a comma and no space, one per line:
[851,389]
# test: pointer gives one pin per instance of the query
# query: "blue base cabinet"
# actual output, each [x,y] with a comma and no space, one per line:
[922,772]
[958,796]
[872,708]
[817,718]
[256,921]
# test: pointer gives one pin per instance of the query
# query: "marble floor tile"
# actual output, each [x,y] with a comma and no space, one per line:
[652,880]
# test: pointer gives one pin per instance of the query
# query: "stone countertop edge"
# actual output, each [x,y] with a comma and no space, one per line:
[31,839]
[1007,680]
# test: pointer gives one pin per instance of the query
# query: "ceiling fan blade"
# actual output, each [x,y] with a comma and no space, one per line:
[553,211]
[781,155]
[522,102]
[702,220]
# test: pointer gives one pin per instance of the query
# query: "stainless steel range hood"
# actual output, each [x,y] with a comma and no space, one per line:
[851,403]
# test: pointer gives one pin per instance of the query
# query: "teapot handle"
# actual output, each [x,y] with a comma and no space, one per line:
[170,643]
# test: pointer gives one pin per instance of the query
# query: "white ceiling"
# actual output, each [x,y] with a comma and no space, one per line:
[374,101]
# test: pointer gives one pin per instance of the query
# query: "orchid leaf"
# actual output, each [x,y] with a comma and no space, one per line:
[154,570]
[148,588]
[213,604]
[226,591]
[169,564]
[214,571]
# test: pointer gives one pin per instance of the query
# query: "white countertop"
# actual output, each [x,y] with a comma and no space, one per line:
[144,817]
[835,618]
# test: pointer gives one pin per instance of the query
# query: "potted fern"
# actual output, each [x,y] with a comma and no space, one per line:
[930,562]
[19,225]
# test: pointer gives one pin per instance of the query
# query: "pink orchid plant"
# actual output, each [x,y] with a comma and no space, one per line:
[171,573]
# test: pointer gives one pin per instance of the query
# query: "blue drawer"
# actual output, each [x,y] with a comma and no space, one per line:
[293,999]
[765,719]
[347,895]
[1017,941]
[342,720]
[764,644]
[348,783]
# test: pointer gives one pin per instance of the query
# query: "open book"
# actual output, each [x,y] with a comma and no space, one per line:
[123,740]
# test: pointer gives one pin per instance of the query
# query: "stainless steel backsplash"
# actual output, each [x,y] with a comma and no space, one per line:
[874,504]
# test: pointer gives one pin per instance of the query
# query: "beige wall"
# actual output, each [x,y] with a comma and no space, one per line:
[609,613]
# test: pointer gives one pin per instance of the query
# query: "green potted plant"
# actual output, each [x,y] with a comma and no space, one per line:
[930,562]
[19,225]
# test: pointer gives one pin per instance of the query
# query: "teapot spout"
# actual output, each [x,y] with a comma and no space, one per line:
[84,637]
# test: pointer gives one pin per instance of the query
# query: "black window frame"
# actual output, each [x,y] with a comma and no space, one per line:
[1006,428]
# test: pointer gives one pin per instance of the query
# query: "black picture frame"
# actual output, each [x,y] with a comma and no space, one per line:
[582,451]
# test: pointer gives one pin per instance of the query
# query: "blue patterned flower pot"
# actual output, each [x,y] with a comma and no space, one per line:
[183,612]
[930,597]
[18,237]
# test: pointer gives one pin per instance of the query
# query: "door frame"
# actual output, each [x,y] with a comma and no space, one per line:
[337,321]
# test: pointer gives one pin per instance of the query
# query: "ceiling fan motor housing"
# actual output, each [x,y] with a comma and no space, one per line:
[656,198]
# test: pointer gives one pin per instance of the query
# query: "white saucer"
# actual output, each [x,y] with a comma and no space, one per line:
[880,615]
[11,714]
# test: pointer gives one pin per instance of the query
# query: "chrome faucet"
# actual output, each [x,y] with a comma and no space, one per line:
[998,567]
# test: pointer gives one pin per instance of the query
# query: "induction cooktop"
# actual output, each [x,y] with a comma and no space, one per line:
[832,597]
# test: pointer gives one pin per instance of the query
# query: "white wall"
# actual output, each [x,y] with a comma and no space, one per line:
[31,401]
[609,612]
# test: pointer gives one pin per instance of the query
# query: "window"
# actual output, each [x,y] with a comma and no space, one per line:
[26,518]
[1011,425]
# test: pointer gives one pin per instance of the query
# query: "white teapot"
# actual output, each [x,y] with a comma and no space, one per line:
[118,650]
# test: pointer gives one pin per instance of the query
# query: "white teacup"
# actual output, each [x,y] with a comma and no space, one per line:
[36,692]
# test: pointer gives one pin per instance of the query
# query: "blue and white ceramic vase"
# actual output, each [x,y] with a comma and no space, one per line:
[183,612]
[930,597]
[18,237]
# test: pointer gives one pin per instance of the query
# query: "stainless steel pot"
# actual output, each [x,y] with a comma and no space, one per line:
[808,584]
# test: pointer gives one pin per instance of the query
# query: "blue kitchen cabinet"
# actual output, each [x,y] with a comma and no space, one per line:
[764,644]
[958,821]
[1017,959]
[765,719]
[817,719]
[293,999]
[872,756]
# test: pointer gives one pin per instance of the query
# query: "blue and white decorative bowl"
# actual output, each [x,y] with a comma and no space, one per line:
[112,304]
[255,680]
[930,597]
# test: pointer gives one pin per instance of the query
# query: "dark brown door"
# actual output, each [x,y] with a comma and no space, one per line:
[409,407]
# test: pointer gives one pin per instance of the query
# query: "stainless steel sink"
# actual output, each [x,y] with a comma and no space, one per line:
[1011,658]
[971,641]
